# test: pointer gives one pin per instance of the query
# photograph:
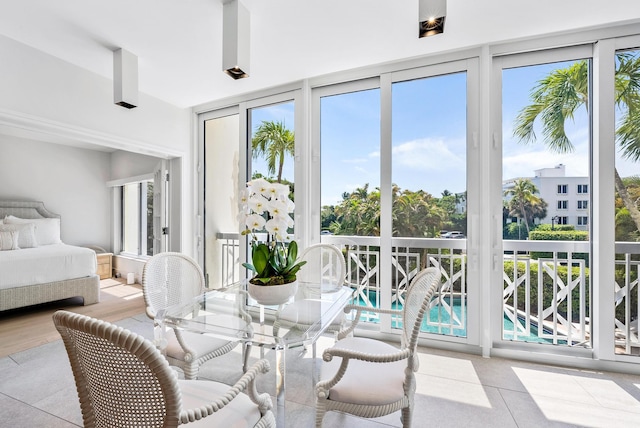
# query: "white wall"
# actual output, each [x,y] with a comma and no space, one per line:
[38,87]
[126,165]
[70,181]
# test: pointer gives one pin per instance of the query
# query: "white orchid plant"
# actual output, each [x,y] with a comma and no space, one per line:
[266,206]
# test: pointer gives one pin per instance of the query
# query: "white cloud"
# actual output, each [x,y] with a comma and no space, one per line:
[428,155]
[355,160]
[524,163]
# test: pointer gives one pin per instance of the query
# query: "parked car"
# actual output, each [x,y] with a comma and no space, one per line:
[454,235]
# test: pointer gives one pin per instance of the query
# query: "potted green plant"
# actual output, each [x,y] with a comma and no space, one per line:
[274,263]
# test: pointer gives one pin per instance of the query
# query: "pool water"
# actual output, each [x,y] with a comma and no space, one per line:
[438,321]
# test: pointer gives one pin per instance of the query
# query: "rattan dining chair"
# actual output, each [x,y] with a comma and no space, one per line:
[123,381]
[172,278]
[370,378]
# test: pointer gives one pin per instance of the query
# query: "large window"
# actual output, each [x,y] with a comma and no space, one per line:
[500,178]
[429,190]
[546,148]
[221,152]
[137,218]
[626,210]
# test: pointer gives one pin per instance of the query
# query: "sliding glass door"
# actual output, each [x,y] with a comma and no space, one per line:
[393,187]
[546,198]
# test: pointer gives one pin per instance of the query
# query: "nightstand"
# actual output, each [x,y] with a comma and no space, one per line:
[104,264]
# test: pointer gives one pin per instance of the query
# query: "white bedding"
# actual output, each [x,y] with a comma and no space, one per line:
[44,264]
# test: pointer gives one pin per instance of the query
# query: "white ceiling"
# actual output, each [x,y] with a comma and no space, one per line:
[178,42]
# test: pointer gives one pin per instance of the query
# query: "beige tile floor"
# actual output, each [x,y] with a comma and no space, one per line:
[453,390]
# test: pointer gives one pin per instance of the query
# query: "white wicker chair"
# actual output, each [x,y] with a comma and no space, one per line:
[325,267]
[172,278]
[124,381]
[371,378]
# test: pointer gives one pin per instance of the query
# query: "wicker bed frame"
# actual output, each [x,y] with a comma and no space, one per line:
[87,287]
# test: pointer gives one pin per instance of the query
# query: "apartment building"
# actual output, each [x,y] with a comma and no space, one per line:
[567,197]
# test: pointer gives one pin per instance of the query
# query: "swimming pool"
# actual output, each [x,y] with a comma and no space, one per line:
[438,321]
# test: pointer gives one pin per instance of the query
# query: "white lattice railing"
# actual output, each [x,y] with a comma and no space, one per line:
[543,300]
[627,298]
[545,297]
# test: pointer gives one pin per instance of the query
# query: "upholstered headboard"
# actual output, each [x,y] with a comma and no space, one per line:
[25,209]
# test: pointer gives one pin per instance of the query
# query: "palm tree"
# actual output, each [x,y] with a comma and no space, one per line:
[523,198]
[274,141]
[556,98]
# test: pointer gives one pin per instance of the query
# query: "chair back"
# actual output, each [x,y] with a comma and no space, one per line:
[422,289]
[325,265]
[169,279]
[121,378]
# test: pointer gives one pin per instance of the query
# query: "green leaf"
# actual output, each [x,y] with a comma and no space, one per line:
[293,253]
[249,266]
[260,258]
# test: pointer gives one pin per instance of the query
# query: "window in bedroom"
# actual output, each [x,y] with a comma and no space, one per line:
[137,218]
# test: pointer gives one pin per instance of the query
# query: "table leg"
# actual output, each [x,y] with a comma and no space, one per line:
[246,351]
[280,387]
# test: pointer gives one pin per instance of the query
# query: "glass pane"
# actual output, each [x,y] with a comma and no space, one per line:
[350,185]
[131,218]
[272,148]
[221,150]
[272,142]
[429,191]
[546,155]
[627,203]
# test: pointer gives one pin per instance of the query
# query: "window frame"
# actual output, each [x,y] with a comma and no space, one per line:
[117,187]
[142,220]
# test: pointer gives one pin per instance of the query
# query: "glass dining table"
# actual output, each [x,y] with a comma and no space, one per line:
[230,313]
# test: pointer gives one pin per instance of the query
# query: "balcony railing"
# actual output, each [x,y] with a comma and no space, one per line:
[546,285]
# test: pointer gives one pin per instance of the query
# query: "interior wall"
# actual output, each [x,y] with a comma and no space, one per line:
[70,181]
[57,96]
[127,164]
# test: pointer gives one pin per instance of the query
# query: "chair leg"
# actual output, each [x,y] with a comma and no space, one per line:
[320,411]
[406,417]
[190,370]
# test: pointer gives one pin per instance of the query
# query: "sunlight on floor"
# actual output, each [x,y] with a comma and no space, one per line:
[120,290]
[585,399]
[452,379]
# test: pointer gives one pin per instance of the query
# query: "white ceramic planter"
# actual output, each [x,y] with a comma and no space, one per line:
[272,294]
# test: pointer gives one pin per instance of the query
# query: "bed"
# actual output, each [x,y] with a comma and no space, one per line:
[45,273]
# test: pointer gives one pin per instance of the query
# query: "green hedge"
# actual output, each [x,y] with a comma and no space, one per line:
[559,235]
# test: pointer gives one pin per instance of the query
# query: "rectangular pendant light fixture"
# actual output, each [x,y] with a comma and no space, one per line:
[125,79]
[235,39]
[431,17]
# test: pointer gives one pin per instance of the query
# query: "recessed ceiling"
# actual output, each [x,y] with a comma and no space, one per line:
[178,42]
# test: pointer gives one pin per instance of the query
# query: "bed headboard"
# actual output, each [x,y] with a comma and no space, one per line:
[25,209]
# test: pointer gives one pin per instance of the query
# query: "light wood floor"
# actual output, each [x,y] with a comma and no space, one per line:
[26,328]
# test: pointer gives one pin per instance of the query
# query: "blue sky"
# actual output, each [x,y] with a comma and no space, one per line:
[429,136]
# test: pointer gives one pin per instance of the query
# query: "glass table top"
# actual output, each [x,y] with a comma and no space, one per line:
[230,313]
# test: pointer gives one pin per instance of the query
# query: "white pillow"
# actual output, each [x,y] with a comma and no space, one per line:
[26,234]
[47,229]
[9,240]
